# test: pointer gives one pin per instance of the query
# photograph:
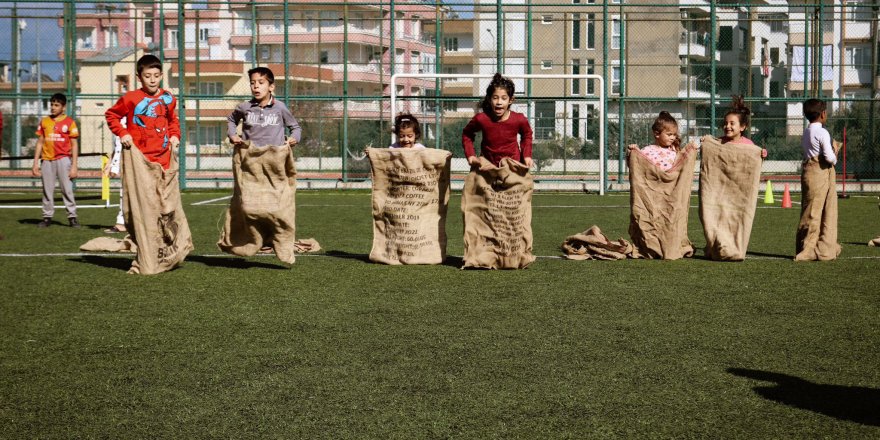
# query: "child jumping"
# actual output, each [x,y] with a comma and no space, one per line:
[736,123]
[817,230]
[58,148]
[262,213]
[407,131]
[153,212]
[500,127]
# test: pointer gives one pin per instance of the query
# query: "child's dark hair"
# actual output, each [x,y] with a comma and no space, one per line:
[498,82]
[664,119]
[59,98]
[406,120]
[813,108]
[738,108]
[263,71]
[148,62]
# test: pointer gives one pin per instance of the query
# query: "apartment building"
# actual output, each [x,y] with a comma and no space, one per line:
[317,50]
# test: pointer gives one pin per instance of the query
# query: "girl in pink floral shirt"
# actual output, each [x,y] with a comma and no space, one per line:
[667,142]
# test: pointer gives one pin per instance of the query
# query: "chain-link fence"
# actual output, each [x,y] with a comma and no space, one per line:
[333,63]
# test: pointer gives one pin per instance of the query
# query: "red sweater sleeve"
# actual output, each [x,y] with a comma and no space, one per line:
[115,115]
[525,132]
[468,135]
[173,122]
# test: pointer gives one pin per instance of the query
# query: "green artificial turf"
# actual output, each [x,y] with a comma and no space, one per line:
[337,347]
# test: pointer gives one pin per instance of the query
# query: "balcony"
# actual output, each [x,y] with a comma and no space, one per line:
[694,88]
[693,44]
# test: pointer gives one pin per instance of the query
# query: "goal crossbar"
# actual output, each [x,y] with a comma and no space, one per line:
[599,97]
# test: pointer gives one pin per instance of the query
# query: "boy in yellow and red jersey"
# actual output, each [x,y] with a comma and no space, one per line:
[58,148]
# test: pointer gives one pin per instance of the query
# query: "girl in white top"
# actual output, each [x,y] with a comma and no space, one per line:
[407,131]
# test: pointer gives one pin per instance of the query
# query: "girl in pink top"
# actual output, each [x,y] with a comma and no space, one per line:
[736,122]
[666,142]
[500,127]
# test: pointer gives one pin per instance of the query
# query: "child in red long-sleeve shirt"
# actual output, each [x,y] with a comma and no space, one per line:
[152,209]
[500,127]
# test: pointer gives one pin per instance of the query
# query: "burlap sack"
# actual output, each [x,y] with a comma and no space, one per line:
[876,240]
[153,213]
[262,210]
[659,203]
[410,199]
[109,244]
[593,245]
[497,208]
[730,178]
[817,230]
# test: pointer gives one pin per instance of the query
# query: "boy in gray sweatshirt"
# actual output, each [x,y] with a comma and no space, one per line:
[265,120]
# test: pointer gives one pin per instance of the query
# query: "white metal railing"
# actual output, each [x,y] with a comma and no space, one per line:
[600,98]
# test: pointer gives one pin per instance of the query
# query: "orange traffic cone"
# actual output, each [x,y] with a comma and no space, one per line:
[786,198]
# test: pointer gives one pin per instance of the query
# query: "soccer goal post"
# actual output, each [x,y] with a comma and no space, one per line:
[590,98]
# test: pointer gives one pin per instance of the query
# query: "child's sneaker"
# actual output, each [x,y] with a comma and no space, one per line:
[45,223]
[73,222]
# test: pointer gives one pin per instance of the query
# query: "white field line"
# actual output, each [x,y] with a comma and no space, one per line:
[544,257]
[112,205]
[206,202]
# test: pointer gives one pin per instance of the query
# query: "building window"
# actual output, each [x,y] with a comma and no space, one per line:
[112,37]
[591,70]
[265,52]
[324,57]
[148,25]
[775,89]
[857,57]
[724,79]
[172,38]
[615,79]
[591,31]
[743,39]
[575,31]
[329,18]
[208,135]
[774,55]
[858,11]
[243,23]
[575,2]
[725,38]
[450,44]
[450,70]
[575,82]
[85,38]
[546,64]
[547,19]
[209,88]
[575,121]
[545,120]
[203,35]
[616,34]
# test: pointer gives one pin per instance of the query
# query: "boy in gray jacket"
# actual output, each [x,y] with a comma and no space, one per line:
[265,120]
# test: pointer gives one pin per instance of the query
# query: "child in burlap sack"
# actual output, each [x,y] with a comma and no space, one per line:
[817,230]
[152,208]
[497,195]
[265,123]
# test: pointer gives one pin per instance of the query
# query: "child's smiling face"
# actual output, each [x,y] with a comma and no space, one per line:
[406,137]
[733,129]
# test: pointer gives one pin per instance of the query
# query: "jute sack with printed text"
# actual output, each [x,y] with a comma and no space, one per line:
[153,213]
[410,199]
[817,230]
[730,178]
[262,210]
[659,202]
[497,208]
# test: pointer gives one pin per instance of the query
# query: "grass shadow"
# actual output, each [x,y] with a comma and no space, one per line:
[233,262]
[855,404]
[347,255]
[863,244]
[764,254]
[453,261]
[122,262]
[40,200]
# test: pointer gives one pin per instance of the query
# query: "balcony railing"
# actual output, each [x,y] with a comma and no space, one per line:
[699,85]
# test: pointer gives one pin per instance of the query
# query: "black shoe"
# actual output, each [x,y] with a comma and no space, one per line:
[73,222]
[45,223]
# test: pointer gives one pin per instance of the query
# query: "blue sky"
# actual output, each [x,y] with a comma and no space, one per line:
[42,30]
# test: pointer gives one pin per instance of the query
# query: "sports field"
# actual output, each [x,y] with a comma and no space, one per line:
[337,347]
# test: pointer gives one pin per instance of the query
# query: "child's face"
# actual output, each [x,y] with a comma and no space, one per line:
[406,137]
[732,127]
[261,89]
[150,79]
[500,102]
[823,117]
[667,136]
[56,109]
